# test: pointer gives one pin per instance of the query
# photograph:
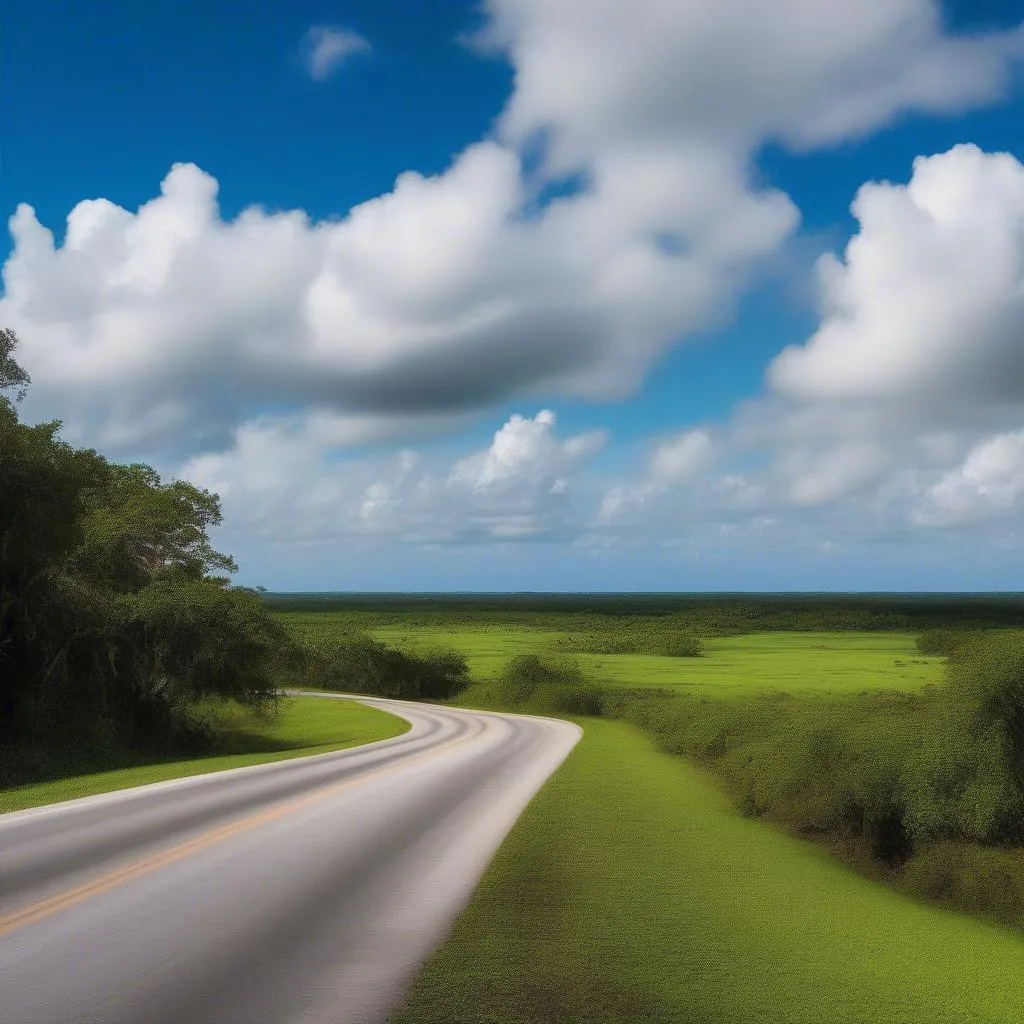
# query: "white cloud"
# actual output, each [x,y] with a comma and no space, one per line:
[525,453]
[928,305]
[678,459]
[989,481]
[733,75]
[326,47]
[280,481]
[172,309]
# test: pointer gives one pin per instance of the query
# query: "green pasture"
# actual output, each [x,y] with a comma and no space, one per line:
[630,890]
[841,662]
[304,726]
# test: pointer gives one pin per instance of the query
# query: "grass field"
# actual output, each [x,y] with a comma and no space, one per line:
[631,891]
[305,726]
[792,662]
[842,662]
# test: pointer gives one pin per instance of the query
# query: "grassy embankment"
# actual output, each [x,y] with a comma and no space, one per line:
[303,727]
[631,890]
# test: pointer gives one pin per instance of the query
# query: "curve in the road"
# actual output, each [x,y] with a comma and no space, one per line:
[294,892]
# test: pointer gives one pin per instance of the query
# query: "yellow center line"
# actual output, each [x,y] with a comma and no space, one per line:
[45,908]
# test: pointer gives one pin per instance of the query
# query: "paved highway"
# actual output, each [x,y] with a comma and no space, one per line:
[302,892]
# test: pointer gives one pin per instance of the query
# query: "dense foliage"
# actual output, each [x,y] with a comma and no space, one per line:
[356,663]
[115,613]
[662,638]
[548,686]
[944,642]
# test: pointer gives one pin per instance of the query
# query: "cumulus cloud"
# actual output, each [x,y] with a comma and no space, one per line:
[173,322]
[280,480]
[734,75]
[990,481]
[525,452]
[899,412]
[672,463]
[928,305]
[325,48]
[678,459]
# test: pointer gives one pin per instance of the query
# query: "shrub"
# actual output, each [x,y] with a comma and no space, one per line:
[944,642]
[971,878]
[670,643]
[553,686]
[986,682]
[357,663]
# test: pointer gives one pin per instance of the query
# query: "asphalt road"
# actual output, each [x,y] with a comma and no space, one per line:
[302,892]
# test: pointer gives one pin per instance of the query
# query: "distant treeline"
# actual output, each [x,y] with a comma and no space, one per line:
[702,614]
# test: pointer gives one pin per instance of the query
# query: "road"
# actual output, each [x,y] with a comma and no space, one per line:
[302,892]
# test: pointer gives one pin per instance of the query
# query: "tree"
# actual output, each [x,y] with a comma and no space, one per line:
[114,610]
[12,375]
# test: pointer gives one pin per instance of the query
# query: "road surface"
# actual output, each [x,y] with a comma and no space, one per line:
[302,892]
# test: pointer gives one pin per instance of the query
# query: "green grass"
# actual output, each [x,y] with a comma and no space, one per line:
[305,726]
[631,891]
[792,662]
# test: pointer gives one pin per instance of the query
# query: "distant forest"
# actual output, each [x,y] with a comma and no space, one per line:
[711,613]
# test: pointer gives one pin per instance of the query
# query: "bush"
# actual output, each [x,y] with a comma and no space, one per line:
[359,664]
[677,645]
[657,640]
[989,882]
[556,687]
[986,682]
[944,642]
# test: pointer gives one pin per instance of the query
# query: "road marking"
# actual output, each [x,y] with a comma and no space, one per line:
[45,908]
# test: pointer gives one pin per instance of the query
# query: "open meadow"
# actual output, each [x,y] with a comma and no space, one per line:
[790,661]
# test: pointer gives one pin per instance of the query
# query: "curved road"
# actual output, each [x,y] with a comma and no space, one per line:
[301,892]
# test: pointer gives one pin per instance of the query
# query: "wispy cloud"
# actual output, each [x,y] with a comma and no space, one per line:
[326,47]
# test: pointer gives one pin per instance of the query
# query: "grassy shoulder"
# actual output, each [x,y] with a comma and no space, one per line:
[303,726]
[630,889]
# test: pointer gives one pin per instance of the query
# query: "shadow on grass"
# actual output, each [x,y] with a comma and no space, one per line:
[44,760]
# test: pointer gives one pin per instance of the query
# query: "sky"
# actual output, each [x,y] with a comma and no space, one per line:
[548,295]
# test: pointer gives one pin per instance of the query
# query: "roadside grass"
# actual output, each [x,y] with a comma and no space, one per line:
[304,726]
[630,890]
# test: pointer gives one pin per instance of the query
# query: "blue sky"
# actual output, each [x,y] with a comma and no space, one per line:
[370,391]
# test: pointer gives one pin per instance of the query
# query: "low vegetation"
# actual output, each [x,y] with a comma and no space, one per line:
[353,662]
[663,641]
[548,687]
